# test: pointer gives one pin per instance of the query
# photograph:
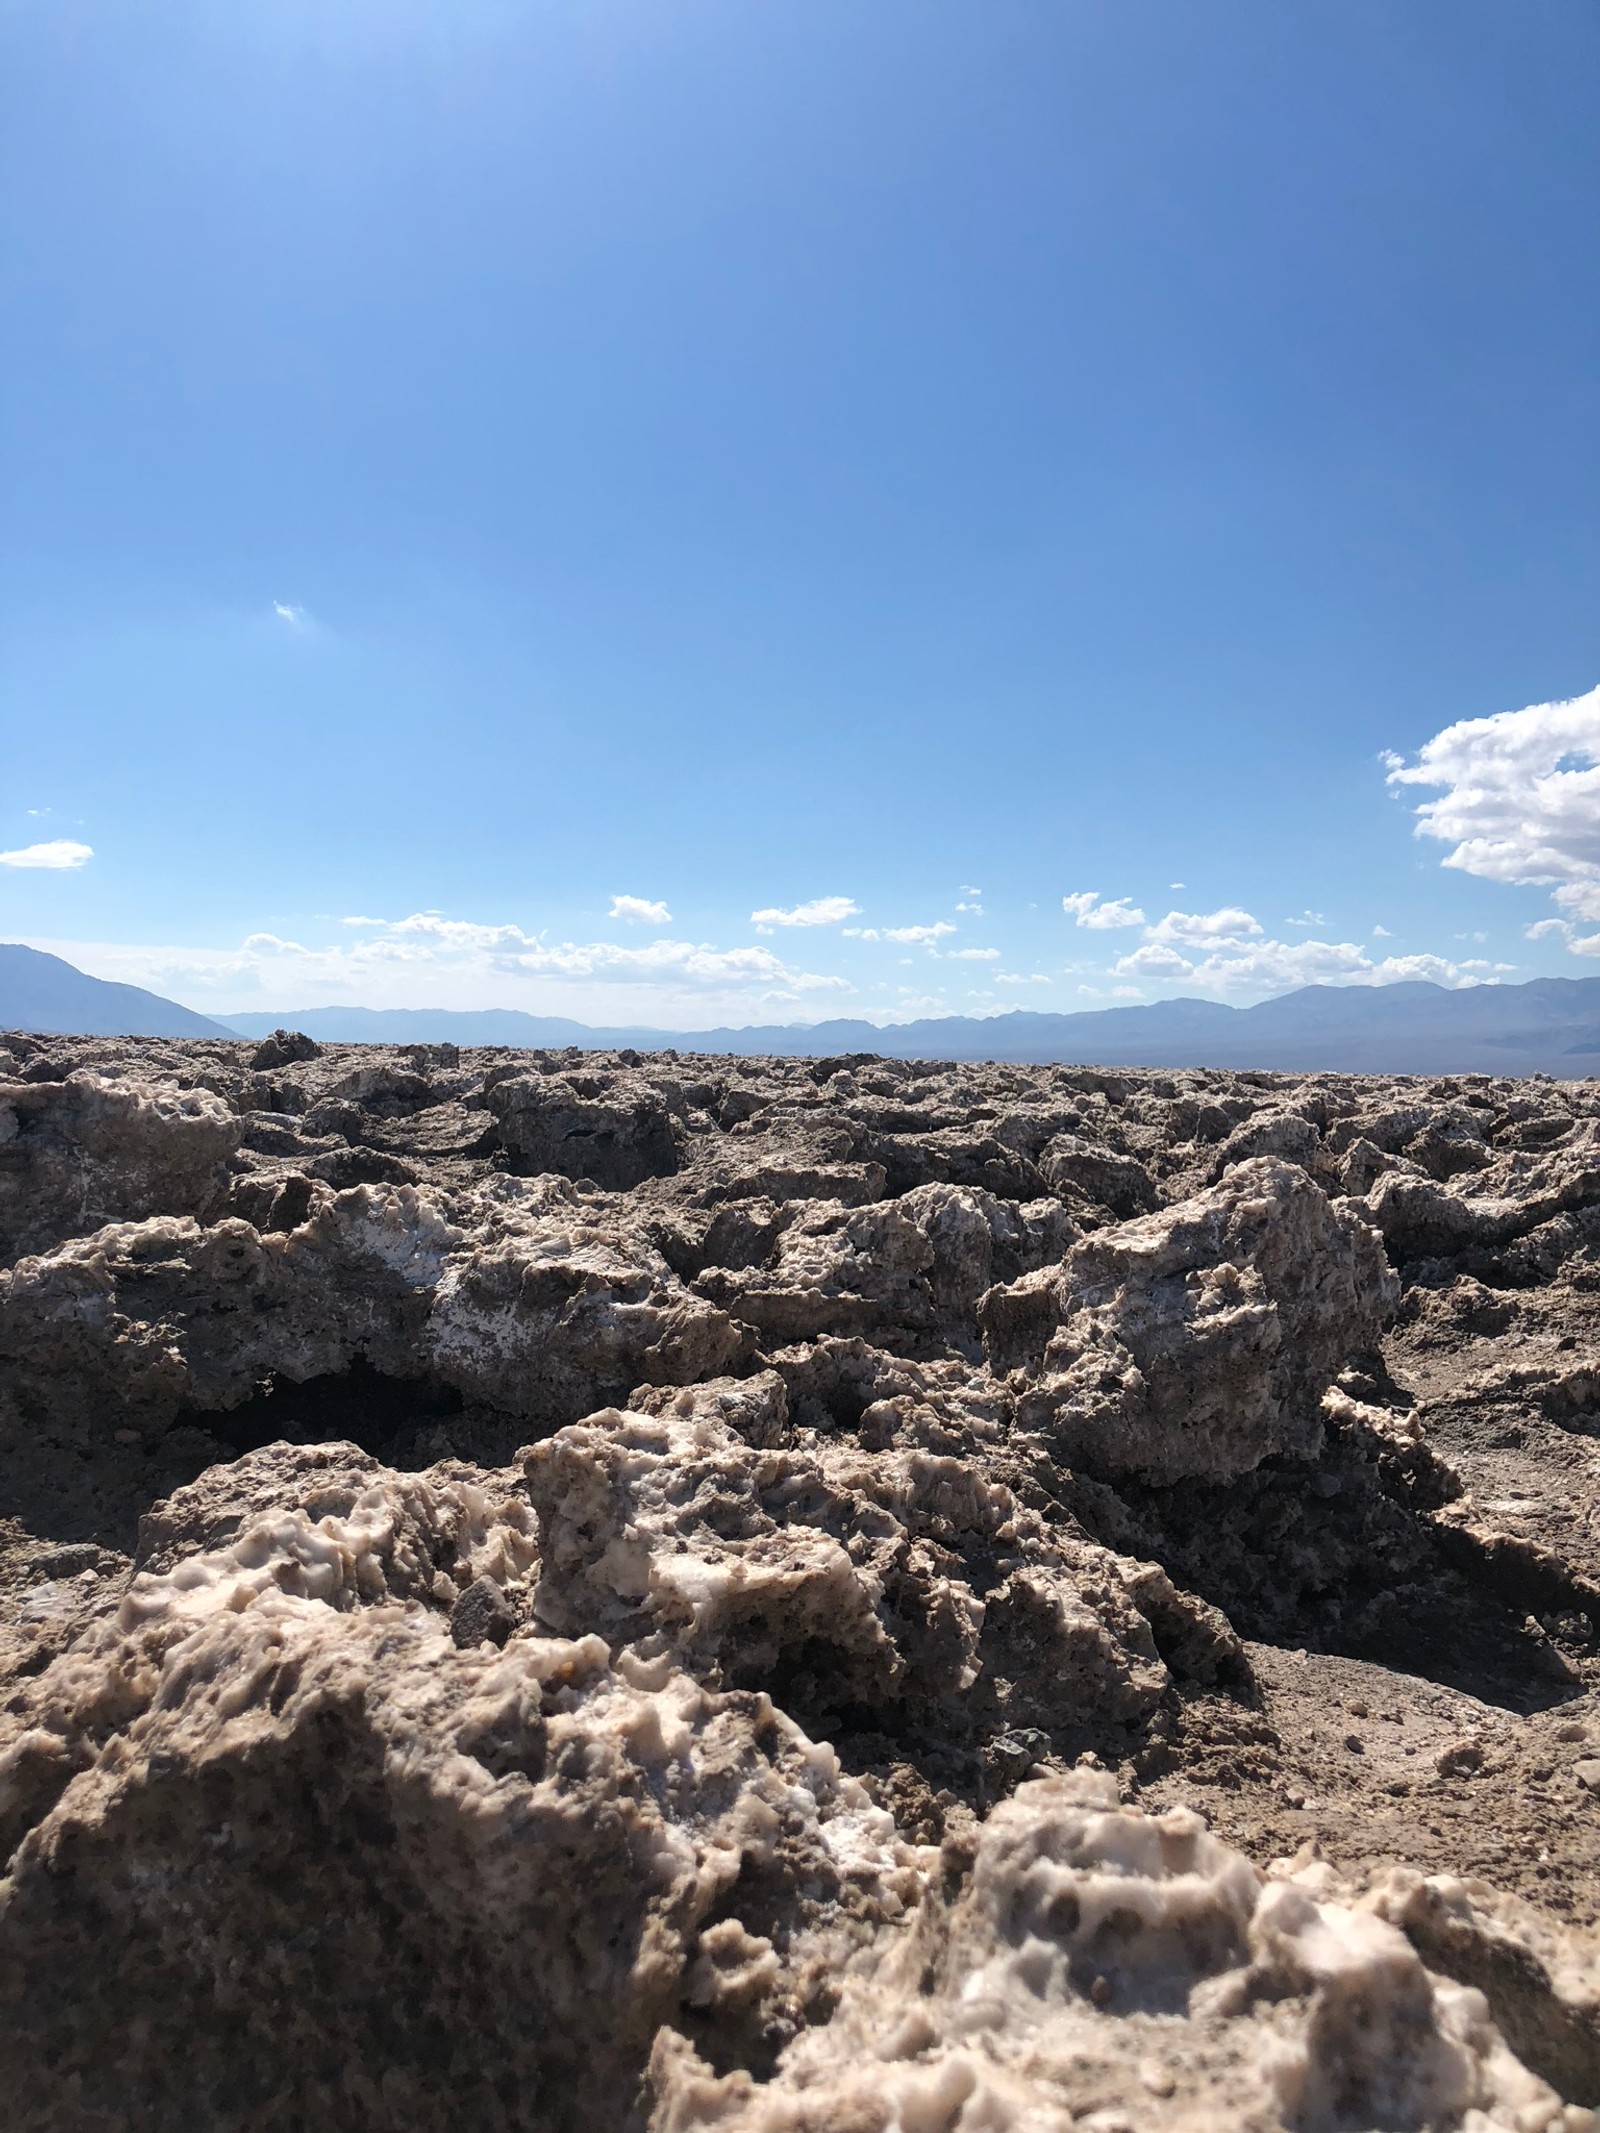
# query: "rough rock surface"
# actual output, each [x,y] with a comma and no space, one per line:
[587,1591]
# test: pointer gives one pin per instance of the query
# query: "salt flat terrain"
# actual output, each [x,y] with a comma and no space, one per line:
[598,1589]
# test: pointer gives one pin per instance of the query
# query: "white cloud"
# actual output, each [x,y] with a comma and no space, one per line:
[1521,798]
[1086,908]
[60,855]
[1227,953]
[429,960]
[821,911]
[969,889]
[1152,961]
[1204,927]
[1268,966]
[1382,933]
[907,936]
[1436,969]
[1263,967]
[1018,977]
[972,910]
[972,955]
[295,617]
[639,911]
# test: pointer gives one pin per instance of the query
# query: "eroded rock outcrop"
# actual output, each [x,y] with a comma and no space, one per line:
[95,1148]
[1198,1341]
[523,1296]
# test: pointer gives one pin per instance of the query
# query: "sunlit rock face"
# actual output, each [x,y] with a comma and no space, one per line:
[587,1591]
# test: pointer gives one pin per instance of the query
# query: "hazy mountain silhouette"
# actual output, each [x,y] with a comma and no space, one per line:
[41,992]
[1548,1026]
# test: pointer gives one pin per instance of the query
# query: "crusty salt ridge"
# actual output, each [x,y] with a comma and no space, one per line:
[1107,1966]
[555,1590]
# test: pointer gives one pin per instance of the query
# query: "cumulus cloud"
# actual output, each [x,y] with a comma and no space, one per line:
[906,936]
[821,911]
[59,855]
[1264,966]
[1203,927]
[972,955]
[1520,801]
[1153,961]
[1087,908]
[1227,952]
[639,911]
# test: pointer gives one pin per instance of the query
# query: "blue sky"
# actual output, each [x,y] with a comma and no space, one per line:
[471,462]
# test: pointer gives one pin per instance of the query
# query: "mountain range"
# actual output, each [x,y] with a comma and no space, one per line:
[1547,1026]
[42,992]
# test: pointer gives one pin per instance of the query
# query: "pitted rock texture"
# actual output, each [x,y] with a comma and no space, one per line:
[1197,1341]
[556,1590]
[95,1148]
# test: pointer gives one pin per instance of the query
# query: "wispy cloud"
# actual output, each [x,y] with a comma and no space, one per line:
[905,936]
[639,911]
[59,855]
[292,617]
[821,911]
[972,955]
[428,959]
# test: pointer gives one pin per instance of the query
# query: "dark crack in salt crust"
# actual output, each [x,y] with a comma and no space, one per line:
[576,1590]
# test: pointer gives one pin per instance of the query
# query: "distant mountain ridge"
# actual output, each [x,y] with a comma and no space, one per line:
[1547,1026]
[44,993]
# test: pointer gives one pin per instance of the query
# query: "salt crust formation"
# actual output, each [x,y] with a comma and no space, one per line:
[556,1591]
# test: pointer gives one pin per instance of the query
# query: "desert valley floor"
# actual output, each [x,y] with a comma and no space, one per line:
[555,1590]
